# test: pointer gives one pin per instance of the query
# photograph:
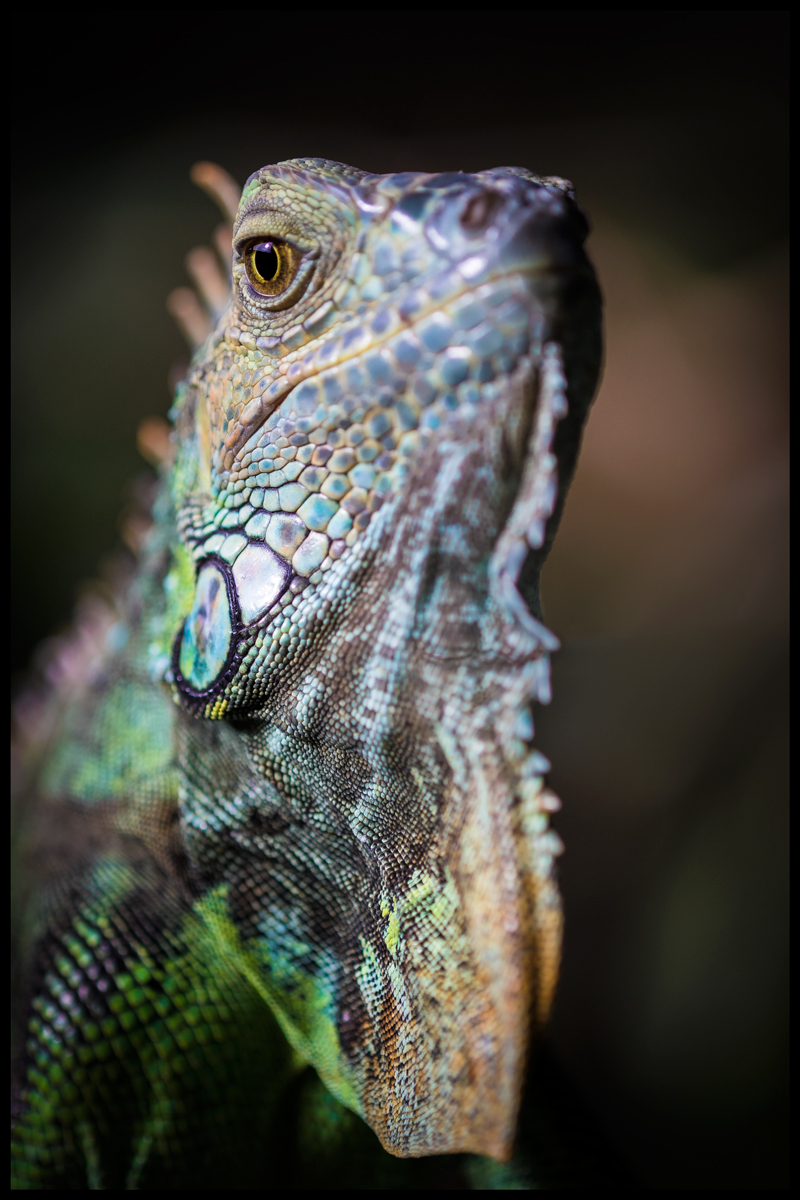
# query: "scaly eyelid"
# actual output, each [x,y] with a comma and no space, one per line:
[280,243]
[271,226]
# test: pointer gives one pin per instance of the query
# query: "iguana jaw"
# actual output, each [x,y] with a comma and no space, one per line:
[246,625]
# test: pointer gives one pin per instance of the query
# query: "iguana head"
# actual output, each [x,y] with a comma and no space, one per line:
[374,445]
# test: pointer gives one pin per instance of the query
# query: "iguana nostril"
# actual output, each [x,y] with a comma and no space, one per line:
[479,210]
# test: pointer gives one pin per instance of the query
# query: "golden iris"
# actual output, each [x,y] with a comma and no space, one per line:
[270,266]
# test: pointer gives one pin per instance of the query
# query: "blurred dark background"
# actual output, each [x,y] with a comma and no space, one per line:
[667,584]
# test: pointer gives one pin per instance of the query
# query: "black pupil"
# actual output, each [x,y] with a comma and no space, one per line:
[267,261]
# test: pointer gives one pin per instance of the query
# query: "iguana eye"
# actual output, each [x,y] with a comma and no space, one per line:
[266,262]
[270,266]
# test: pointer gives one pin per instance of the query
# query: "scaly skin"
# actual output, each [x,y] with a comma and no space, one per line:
[313,828]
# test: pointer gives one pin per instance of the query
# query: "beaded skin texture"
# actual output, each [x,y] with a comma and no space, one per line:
[305,819]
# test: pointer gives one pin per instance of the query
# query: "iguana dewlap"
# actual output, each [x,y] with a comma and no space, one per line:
[306,767]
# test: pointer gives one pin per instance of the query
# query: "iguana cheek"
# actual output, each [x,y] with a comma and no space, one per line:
[260,577]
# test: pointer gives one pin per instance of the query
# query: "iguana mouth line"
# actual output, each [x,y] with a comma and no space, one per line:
[282,387]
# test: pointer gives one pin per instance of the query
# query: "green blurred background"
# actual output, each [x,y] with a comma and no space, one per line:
[668,581]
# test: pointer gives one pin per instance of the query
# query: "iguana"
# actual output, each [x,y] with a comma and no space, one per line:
[295,815]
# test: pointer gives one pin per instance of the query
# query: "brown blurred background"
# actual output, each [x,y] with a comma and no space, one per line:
[668,580]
